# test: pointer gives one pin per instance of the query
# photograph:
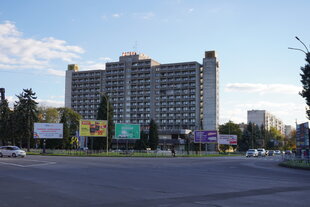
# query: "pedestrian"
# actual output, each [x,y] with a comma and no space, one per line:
[173,151]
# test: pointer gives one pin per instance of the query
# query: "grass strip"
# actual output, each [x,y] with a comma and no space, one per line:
[296,164]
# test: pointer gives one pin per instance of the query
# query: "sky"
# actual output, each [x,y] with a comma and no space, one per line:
[38,39]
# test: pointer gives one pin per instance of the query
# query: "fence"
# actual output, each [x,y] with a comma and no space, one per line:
[122,153]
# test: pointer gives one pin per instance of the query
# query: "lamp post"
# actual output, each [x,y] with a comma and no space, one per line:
[107,102]
[306,53]
[305,91]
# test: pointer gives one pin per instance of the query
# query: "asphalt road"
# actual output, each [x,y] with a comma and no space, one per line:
[39,181]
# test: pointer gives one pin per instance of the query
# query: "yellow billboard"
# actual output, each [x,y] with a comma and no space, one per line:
[93,128]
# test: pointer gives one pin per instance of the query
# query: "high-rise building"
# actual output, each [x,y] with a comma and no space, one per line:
[178,96]
[262,117]
[288,130]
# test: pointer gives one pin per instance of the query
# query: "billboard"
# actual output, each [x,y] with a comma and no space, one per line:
[302,135]
[47,131]
[93,128]
[127,131]
[202,136]
[229,139]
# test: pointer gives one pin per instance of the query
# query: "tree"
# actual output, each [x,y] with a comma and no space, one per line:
[100,142]
[48,115]
[5,116]
[305,80]
[250,137]
[153,135]
[26,106]
[70,120]
[229,128]
[141,144]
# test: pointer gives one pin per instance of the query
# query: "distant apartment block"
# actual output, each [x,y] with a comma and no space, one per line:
[288,130]
[178,96]
[262,117]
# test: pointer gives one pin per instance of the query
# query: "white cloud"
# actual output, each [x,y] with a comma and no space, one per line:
[144,15]
[106,59]
[56,72]
[116,15]
[93,66]
[41,102]
[287,112]
[190,10]
[18,52]
[50,103]
[262,88]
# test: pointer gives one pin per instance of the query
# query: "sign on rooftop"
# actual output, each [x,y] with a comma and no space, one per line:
[128,53]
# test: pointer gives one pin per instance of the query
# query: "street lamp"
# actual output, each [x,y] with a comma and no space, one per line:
[107,102]
[306,53]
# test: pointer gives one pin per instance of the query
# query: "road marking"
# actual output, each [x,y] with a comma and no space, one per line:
[31,165]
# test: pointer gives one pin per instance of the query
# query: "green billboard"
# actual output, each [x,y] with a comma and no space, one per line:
[127,131]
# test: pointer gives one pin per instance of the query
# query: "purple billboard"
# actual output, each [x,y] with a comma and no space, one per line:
[205,136]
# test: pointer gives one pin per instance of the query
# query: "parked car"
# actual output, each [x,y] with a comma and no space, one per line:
[270,153]
[12,151]
[251,153]
[261,152]
[288,152]
[277,152]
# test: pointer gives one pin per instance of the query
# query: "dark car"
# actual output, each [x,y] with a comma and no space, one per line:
[270,153]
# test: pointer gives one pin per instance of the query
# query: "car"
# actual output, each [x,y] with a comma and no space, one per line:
[277,152]
[251,153]
[288,152]
[12,151]
[261,152]
[270,153]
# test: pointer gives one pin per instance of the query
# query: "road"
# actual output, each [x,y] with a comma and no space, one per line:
[42,181]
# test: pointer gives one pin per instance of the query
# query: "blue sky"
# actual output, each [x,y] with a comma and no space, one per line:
[39,38]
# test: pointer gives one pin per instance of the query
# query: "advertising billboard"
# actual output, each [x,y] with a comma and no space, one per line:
[302,135]
[127,131]
[229,139]
[93,128]
[202,136]
[47,131]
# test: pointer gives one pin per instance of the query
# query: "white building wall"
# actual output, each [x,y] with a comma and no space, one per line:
[68,88]
[210,92]
[262,117]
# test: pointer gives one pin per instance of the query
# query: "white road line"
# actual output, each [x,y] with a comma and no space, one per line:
[33,165]
[12,164]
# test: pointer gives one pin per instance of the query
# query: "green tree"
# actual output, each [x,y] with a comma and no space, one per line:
[70,120]
[153,135]
[250,137]
[230,128]
[141,144]
[305,80]
[104,112]
[5,117]
[26,106]
[48,114]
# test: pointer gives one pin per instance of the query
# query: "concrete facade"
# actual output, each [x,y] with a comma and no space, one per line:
[177,96]
[210,91]
[262,117]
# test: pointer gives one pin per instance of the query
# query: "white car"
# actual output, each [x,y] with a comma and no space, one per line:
[251,153]
[12,151]
[261,152]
